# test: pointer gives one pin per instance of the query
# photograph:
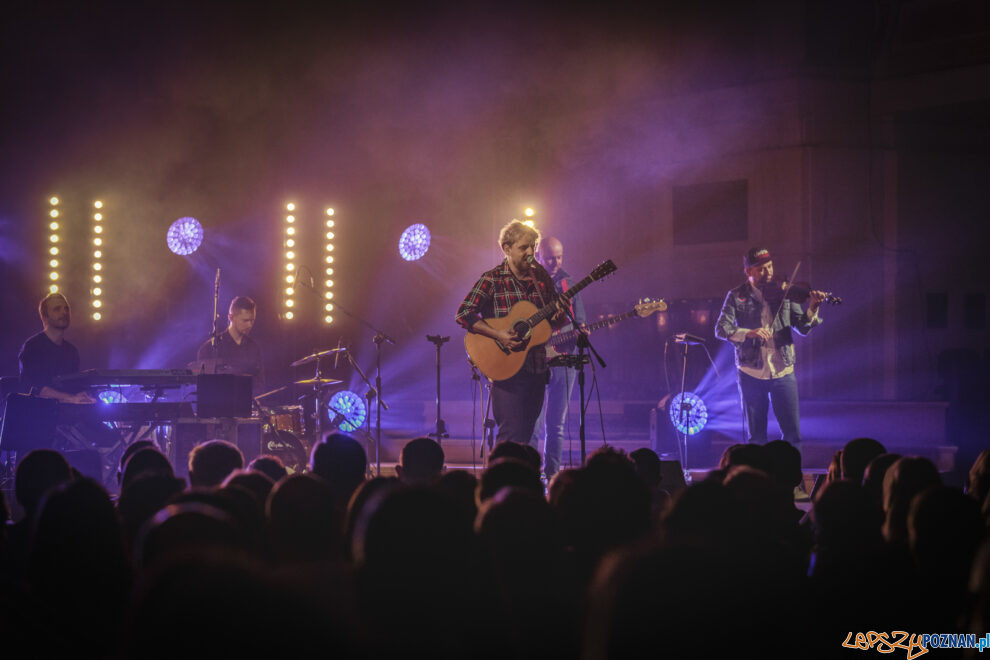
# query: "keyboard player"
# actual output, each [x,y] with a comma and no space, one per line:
[49,354]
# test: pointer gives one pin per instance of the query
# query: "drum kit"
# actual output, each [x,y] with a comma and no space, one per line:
[285,432]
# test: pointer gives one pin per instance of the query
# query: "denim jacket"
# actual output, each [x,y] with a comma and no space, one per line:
[743,309]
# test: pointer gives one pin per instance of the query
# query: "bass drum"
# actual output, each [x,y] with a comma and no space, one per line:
[288,448]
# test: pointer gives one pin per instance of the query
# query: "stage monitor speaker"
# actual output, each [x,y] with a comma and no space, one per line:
[223,395]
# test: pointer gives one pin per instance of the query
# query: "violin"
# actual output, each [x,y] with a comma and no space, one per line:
[776,292]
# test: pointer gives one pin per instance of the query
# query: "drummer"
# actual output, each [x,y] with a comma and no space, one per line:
[234,351]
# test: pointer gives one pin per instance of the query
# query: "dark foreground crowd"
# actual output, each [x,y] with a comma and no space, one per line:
[604,563]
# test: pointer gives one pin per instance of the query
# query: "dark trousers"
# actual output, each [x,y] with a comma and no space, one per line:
[782,394]
[516,403]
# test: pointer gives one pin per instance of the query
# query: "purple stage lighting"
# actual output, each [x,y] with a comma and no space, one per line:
[688,413]
[184,236]
[348,409]
[414,242]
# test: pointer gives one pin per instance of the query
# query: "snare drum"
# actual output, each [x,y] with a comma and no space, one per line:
[288,418]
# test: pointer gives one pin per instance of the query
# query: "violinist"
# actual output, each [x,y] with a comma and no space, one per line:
[757,318]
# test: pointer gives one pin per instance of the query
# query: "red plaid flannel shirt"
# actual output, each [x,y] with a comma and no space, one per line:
[494,294]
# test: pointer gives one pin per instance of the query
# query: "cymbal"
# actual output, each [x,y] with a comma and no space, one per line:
[317,356]
[319,381]
[275,391]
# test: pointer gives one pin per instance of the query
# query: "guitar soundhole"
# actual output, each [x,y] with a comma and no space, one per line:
[522,331]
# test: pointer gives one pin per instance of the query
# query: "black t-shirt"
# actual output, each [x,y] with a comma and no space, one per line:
[243,358]
[41,360]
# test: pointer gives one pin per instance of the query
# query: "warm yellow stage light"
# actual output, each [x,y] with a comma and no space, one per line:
[289,291]
[97,216]
[98,204]
[53,288]
[329,224]
[290,255]
[97,254]
[290,207]
[53,226]
[97,303]
[290,267]
[53,263]
[288,315]
[529,223]
[97,316]
[329,247]
[291,231]
[328,295]
[329,235]
[290,243]
[289,302]
[97,291]
[53,276]
[330,211]
[53,201]
[328,319]
[290,219]
[289,278]
[97,241]
[53,213]
[97,278]
[97,266]
[98,229]
[329,271]
[328,283]
[53,250]
[53,238]
[529,212]
[328,307]
[329,259]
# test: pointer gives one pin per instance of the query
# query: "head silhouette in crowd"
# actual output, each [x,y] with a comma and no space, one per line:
[340,461]
[39,471]
[211,462]
[856,455]
[270,465]
[421,462]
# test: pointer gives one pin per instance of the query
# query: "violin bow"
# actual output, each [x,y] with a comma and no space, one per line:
[784,298]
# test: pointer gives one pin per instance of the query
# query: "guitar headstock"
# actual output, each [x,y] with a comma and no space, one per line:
[647,306]
[603,269]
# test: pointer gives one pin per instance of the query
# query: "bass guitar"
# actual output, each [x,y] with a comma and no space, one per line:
[529,324]
[565,342]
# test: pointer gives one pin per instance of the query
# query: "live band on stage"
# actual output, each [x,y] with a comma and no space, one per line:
[523,321]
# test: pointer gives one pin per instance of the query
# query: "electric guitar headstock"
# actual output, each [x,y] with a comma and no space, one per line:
[647,306]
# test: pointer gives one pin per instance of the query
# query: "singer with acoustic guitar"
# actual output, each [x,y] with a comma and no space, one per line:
[518,399]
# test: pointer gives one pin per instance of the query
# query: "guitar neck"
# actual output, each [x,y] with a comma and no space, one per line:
[549,310]
[591,327]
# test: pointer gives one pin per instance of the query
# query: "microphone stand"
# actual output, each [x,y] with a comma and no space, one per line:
[441,425]
[582,343]
[376,391]
[216,303]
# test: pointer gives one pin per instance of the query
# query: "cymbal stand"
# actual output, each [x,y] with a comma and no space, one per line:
[441,431]
[372,393]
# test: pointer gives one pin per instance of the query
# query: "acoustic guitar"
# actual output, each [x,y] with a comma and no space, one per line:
[530,325]
[565,342]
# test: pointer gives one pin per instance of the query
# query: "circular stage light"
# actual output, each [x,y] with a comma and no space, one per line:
[347,409]
[184,236]
[690,416]
[414,242]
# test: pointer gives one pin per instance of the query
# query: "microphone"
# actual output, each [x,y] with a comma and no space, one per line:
[687,338]
[531,261]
